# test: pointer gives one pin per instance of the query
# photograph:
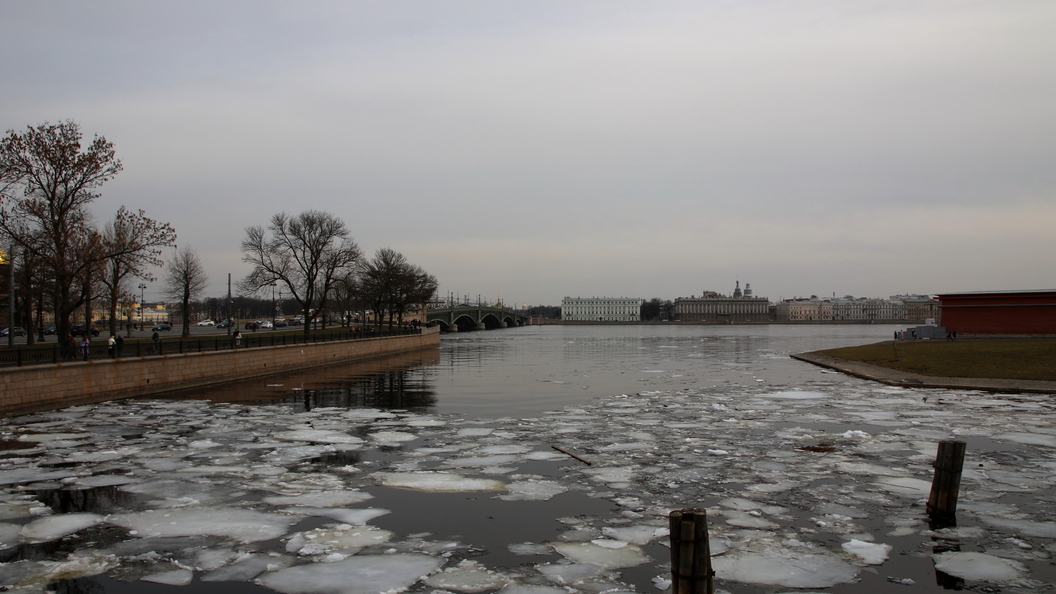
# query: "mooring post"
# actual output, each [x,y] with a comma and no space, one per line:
[942,503]
[691,571]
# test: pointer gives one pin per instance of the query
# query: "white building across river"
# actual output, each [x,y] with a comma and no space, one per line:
[603,309]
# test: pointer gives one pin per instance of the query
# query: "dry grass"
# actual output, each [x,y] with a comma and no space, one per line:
[1001,359]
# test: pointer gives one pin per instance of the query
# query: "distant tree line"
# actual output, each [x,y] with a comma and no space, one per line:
[64,260]
[313,257]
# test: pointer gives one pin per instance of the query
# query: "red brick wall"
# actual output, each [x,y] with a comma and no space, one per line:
[999,313]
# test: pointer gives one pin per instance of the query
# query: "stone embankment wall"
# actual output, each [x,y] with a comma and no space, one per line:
[42,387]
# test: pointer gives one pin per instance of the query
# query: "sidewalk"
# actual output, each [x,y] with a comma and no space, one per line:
[894,377]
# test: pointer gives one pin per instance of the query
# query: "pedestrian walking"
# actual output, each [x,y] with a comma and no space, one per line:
[154,337]
[238,339]
[85,345]
[120,345]
[111,345]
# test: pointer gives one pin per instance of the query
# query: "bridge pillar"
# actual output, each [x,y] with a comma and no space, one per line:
[481,326]
[503,325]
[452,328]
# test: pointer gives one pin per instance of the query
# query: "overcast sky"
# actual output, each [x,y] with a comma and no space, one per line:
[546,149]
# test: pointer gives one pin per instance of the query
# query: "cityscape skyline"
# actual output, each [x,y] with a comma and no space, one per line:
[531,150]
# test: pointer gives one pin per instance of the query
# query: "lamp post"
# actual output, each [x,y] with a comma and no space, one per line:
[142,288]
[273,285]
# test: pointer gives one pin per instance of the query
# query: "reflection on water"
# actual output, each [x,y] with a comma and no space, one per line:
[394,382]
[529,370]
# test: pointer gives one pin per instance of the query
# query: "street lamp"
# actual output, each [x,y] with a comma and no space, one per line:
[273,285]
[142,288]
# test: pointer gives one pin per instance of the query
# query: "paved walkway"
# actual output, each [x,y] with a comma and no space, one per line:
[894,377]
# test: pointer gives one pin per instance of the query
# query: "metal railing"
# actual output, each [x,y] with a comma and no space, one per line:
[37,355]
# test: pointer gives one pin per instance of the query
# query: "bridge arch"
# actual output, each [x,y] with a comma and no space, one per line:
[464,318]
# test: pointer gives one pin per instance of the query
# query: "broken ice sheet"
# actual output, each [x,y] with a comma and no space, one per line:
[468,576]
[603,553]
[321,498]
[870,553]
[56,527]
[979,567]
[440,482]
[537,490]
[785,569]
[343,538]
[239,524]
[356,575]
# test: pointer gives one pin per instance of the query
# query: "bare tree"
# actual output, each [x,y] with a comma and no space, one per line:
[134,244]
[185,280]
[47,182]
[307,253]
[391,285]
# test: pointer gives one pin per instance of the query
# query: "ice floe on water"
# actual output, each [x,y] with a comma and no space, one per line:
[811,486]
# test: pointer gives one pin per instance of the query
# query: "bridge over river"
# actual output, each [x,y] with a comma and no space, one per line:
[474,317]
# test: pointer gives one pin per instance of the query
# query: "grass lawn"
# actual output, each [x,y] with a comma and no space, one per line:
[1001,359]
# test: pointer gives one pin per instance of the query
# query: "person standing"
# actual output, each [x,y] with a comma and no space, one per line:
[154,337]
[110,346]
[120,345]
[85,345]
[238,339]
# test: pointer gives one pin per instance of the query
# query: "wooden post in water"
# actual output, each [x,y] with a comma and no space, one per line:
[942,503]
[691,571]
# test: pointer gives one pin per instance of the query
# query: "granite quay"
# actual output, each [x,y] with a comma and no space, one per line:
[52,385]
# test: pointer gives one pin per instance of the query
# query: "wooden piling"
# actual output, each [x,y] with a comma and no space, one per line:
[942,503]
[691,571]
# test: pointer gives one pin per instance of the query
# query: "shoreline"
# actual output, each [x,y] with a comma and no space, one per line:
[893,377]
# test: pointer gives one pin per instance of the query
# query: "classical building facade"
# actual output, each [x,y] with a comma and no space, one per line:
[715,307]
[900,308]
[601,309]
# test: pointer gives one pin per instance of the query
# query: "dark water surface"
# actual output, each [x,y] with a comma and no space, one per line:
[790,460]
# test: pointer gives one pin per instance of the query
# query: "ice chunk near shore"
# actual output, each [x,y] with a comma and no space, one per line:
[355,517]
[175,577]
[468,576]
[909,487]
[318,436]
[321,498]
[240,524]
[439,482]
[356,575]
[870,553]
[979,566]
[56,527]
[532,490]
[605,553]
[343,539]
[788,571]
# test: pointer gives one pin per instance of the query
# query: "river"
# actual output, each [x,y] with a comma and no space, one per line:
[366,477]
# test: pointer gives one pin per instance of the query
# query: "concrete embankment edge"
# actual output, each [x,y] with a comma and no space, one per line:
[894,377]
[43,387]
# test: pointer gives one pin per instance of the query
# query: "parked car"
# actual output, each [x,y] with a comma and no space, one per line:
[206,323]
[161,326]
[16,331]
[78,330]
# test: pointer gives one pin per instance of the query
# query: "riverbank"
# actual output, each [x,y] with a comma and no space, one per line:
[41,387]
[1020,366]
